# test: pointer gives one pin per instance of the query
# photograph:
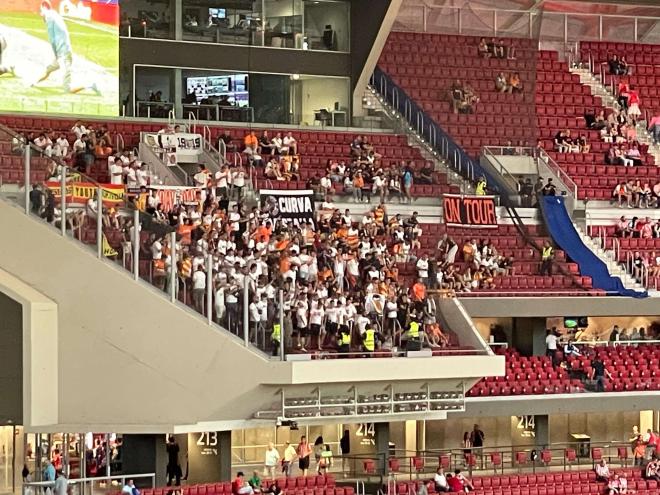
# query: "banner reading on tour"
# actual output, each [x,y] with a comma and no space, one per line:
[469,211]
[78,193]
[288,206]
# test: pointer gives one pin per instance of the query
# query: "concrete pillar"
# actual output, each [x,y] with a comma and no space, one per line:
[177,92]
[225,455]
[382,434]
[176,23]
[411,437]
[541,431]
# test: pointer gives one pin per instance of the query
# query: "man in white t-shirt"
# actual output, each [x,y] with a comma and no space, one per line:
[290,144]
[551,343]
[116,171]
[199,288]
[423,269]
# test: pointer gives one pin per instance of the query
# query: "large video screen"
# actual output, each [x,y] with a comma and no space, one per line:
[59,56]
[229,90]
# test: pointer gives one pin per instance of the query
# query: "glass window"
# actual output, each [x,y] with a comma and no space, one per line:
[326,25]
[222,21]
[140,19]
[283,23]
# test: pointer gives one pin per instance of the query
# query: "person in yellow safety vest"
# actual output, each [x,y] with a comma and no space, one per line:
[344,340]
[547,256]
[276,338]
[481,186]
[413,336]
[369,338]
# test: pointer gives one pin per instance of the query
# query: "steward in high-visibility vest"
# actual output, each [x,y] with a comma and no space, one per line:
[413,331]
[345,340]
[481,187]
[413,337]
[547,255]
[276,338]
[369,339]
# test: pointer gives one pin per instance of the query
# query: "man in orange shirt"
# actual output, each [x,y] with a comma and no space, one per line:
[419,291]
[251,144]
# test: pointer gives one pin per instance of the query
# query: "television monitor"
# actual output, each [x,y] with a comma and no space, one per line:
[218,13]
[81,77]
[571,322]
[234,87]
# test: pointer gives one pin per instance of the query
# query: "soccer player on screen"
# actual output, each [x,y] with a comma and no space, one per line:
[60,41]
[4,69]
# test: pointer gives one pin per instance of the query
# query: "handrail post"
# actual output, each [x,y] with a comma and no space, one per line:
[173,267]
[63,201]
[281,319]
[26,171]
[99,222]
[209,289]
[246,315]
[136,244]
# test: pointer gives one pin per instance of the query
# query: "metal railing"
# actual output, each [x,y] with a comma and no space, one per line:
[568,183]
[90,486]
[566,27]
[425,129]
[153,109]
[220,113]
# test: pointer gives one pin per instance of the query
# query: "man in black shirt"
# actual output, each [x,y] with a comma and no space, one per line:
[598,374]
[549,189]
[173,466]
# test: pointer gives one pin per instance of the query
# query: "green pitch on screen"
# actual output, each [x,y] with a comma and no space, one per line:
[95,67]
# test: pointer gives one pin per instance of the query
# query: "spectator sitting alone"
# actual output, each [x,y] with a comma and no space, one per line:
[603,471]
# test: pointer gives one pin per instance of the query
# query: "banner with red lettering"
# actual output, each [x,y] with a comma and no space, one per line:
[469,211]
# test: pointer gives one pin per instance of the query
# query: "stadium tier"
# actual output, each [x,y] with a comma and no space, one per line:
[387,263]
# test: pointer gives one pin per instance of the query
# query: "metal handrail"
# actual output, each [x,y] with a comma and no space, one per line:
[76,481]
[493,27]
[119,142]
[487,151]
[567,182]
[192,122]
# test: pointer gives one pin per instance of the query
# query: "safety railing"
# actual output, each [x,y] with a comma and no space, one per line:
[492,154]
[90,486]
[423,126]
[566,27]
[617,343]
[220,112]
[570,186]
[153,109]
[640,272]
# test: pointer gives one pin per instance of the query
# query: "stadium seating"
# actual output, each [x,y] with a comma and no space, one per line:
[546,483]
[553,100]
[300,485]
[643,59]
[627,246]
[508,242]
[315,148]
[632,368]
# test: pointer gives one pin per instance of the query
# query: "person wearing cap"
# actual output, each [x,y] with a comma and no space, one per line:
[370,338]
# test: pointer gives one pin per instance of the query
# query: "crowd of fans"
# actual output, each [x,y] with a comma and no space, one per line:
[361,177]
[639,228]
[339,277]
[90,143]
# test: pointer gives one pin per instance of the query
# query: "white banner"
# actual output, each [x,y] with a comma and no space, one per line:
[186,147]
